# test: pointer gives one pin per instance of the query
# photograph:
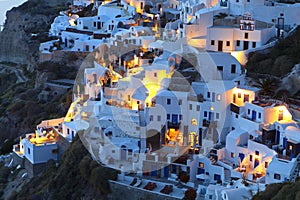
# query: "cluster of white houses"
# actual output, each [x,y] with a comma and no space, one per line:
[142,110]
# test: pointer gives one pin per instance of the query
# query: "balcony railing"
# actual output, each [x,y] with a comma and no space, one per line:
[234,108]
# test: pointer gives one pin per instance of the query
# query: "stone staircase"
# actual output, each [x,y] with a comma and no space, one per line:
[296,171]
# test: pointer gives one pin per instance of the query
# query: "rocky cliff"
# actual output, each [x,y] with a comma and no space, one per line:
[18,43]
[25,28]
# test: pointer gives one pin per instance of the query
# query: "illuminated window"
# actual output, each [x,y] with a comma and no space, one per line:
[218,97]
[201,165]
[280,115]
[232,155]
[266,164]
[194,122]
[291,147]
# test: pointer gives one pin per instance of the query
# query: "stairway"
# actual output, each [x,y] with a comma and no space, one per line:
[296,171]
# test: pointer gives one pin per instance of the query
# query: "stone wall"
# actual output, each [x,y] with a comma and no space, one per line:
[35,169]
[120,191]
[63,145]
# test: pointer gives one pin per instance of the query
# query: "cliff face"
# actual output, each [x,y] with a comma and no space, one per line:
[17,45]
[20,109]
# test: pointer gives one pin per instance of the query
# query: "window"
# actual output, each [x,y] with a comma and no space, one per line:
[179,102]
[201,165]
[28,150]
[246,35]
[151,118]
[237,116]
[234,98]
[137,102]
[251,158]
[168,116]
[238,43]
[155,74]
[180,117]
[228,43]
[239,95]
[94,24]
[137,128]
[217,115]
[198,108]
[168,101]
[266,164]
[277,176]
[259,115]
[191,106]
[54,151]
[212,42]
[208,94]
[290,147]
[237,1]
[232,155]
[159,118]
[113,151]
[128,97]
[220,68]
[246,97]
[205,114]
[253,44]
[280,115]
[233,68]
[257,153]
[248,112]
[218,97]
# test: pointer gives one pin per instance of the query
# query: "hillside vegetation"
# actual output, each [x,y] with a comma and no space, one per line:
[76,177]
[279,60]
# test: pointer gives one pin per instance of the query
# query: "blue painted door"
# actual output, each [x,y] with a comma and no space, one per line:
[284,142]
[154,172]
[256,163]
[253,115]
[241,156]
[217,177]
[175,119]
[166,171]
[277,137]
[210,116]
